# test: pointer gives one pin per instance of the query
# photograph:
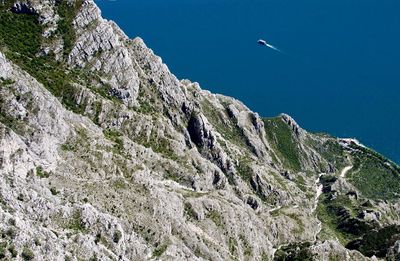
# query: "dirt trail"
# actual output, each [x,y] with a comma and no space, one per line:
[345,170]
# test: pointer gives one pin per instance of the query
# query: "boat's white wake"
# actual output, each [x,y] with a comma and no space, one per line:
[273,47]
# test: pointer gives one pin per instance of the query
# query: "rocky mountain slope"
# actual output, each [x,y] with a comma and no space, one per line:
[106,155]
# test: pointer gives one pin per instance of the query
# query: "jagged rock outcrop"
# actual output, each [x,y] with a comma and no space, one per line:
[105,154]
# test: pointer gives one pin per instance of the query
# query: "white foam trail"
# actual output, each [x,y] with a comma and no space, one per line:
[273,48]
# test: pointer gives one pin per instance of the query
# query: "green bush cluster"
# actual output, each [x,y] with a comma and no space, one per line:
[377,242]
[21,33]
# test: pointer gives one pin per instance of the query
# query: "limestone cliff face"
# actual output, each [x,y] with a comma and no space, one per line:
[105,154]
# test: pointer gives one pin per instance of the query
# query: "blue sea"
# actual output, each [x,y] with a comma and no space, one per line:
[339,71]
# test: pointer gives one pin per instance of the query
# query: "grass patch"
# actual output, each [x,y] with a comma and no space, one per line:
[116,137]
[215,217]
[159,145]
[160,250]
[76,223]
[119,184]
[244,170]
[374,176]
[69,146]
[298,221]
[20,127]
[247,251]
[331,151]
[233,245]
[41,173]
[329,224]
[281,138]
[21,34]
[27,254]
[226,126]
[5,82]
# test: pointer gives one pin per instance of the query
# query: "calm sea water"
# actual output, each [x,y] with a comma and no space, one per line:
[340,72]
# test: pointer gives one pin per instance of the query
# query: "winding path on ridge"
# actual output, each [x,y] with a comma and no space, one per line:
[318,189]
[345,170]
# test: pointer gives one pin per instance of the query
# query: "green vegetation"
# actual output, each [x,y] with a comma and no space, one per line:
[294,252]
[18,126]
[69,146]
[331,151]
[264,257]
[244,170]
[301,183]
[116,137]
[119,184]
[76,223]
[93,258]
[117,236]
[377,242]
[188,210]
[21,33]
[74,144]
[3,247]
[374,176]
[215,217]
[67,13]
[5,82]
[160,250]
[339,215]
[175,176]
[299,222]
[227,128]
[330,222]
[233,245]
[247,251]
[41,173]
[27,254]
[21,39]
[159,145]
[281,138]
[12,251]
